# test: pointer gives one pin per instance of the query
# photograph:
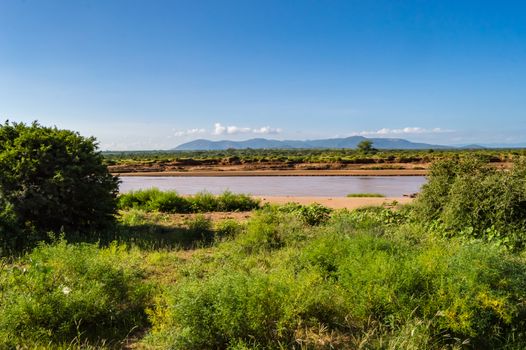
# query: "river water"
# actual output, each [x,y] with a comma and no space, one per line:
[317,186]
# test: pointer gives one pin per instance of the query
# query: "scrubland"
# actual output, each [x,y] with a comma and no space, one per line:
[299,161]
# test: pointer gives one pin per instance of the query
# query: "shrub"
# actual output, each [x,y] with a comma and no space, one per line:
[12,235]
[477,201]
[201,227]
[137,199]
[442,174]
[154,200]
[171,202]
[204,202]
[312,214]
[232,307]
[228,228]
[269,229]
[370,219]
[54,180]
[60,293]
[470,292]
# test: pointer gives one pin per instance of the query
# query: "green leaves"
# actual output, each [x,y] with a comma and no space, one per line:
[54,180]
[477,201]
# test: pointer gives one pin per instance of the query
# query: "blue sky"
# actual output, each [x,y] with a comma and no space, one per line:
[153,74]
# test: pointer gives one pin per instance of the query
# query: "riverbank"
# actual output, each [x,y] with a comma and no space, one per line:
[243,216]
[233,173]
[336,202]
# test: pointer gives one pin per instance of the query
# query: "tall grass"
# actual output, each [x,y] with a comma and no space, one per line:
[61,293]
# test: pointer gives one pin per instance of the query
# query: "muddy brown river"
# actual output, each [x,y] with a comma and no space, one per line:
[318,186]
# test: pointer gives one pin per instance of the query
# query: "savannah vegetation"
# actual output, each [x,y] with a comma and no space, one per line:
[366,157]
[447,272]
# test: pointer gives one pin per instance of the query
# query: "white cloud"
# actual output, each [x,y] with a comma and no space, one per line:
[402,131]
[266,130]
[220,129]
[189,132]
[232,130]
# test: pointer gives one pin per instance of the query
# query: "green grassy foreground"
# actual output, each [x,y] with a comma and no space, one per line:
[290,277]
[448,272]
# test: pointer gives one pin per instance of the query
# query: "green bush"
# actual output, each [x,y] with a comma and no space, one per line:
[170,202]
[204,202]
[471,199]
[201,227]
[374,220]
[12,235]
[228,228]
[269,230]
[62,293]
[312,214]
[231,308]
[154,200]
[138,199]
[469,291]
[53,180]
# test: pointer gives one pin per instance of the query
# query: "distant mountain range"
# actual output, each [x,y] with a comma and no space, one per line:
[347,142]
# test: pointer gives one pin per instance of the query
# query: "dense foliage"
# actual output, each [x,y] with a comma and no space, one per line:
[171,202]
[469,198]
[51,180]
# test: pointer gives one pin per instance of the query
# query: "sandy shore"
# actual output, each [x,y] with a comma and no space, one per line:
[335,202]
[385,172]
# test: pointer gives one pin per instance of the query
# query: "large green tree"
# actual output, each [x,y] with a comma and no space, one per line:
[53,180]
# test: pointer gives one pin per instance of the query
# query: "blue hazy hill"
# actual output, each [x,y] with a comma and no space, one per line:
[262,143]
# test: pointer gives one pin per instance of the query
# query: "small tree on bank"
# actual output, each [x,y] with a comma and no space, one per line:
[52,180]
[366,146]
